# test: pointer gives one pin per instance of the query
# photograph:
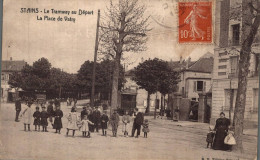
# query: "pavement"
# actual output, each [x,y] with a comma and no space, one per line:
[166,140]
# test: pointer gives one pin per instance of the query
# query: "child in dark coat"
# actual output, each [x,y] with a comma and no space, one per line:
[37,119]
[104,120]
[58,114]
[44,119]
[146,128]
[210,137]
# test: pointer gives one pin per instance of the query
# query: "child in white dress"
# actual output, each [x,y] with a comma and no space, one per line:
[27,116]
[84,127]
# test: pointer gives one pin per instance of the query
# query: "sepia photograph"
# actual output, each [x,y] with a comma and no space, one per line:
[129,79]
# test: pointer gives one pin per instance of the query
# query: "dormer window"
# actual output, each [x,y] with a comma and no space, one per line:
[235,34]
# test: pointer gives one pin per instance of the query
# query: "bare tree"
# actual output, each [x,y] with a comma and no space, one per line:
[124,30]
[250,25]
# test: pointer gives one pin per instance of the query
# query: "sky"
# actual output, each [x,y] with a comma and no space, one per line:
[67,44]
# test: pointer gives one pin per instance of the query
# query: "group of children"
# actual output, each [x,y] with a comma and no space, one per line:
[41,118]
[74,121]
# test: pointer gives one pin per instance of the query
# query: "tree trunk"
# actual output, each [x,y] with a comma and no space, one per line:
[118,50]
[114,95]
[147,110]
[162,101]
[248,35]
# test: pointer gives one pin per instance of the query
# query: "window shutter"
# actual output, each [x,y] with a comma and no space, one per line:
[204,86]
[195,86]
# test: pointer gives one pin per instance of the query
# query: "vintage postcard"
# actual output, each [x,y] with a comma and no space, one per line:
[130,79]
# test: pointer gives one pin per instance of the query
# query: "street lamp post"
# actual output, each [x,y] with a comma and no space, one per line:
[231,96]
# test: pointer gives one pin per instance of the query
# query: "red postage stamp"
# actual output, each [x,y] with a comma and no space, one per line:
[195,22]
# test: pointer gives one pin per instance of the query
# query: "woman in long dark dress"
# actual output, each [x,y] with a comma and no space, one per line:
[221,128]
[58,114]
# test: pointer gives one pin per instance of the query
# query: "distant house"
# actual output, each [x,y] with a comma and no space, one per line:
[196,78]
[226,59]
[133,95]
[7,68]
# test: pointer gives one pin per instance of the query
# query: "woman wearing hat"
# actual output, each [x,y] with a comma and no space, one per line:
[221,129]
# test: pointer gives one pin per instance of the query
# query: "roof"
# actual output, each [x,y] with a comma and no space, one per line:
[129,91]
[12,65]
[204,65]
[177,66]
[129,72]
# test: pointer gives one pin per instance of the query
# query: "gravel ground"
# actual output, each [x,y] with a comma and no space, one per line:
[167,140]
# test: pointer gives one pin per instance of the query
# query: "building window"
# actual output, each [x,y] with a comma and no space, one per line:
[183,92]
[223,53]
[222,67]
[199,86]
[222,73]
[222,60]
[236,34]
[2,77]
[234,66]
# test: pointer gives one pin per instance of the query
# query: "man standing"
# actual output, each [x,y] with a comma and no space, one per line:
[96,118]
[17,108]
[138,121]
[83,112]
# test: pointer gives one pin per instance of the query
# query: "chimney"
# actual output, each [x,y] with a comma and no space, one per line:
[11,58]
[188,62]
[180,59]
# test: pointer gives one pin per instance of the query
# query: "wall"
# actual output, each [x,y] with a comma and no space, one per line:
[187,81]
[218,96]
[190,87]
[141,97]
[4,85]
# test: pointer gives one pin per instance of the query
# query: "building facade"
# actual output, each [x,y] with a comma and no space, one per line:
[7,68]
[197,78]
[225,70]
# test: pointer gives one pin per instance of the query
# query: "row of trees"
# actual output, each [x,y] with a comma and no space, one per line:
[42,77]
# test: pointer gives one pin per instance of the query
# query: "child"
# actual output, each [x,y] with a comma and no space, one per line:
[44,119]
[27,115]
[58,114]
[230,140]
[145,128]
[114,120]
[72,121]
[84,128]
[37,119]
[126,121]
[210,137]
[104,119]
